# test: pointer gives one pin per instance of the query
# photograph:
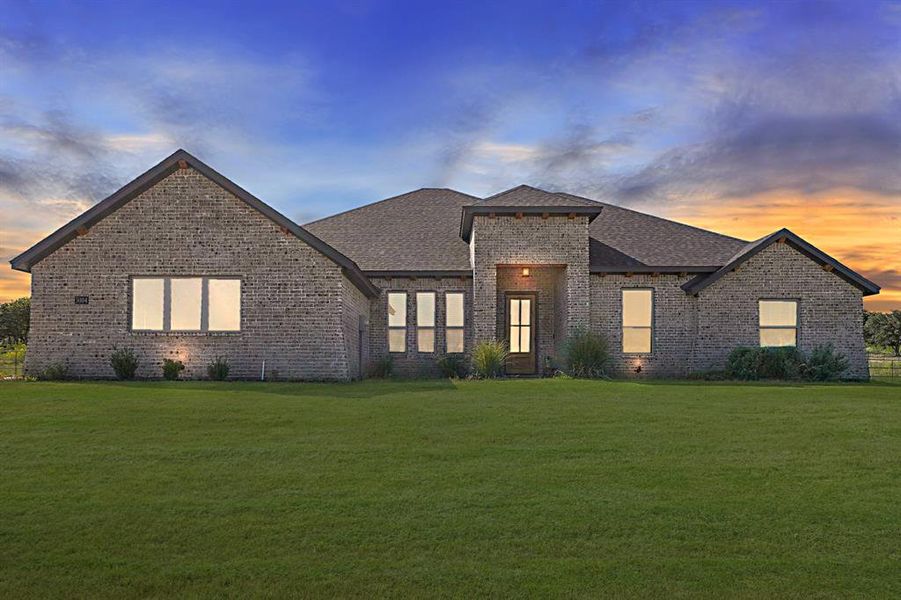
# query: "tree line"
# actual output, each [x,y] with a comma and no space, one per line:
[15,317]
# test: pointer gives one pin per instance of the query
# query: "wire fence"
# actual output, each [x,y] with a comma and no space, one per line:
[885,366]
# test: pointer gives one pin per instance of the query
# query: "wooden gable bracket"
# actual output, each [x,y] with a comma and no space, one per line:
[491,215]
[545,216]
[828,268]
[781,240]
[571,216]
[519,215]
[655,274]
[286,231]
[81,231]
[683,274]
[182,164]
[628,274]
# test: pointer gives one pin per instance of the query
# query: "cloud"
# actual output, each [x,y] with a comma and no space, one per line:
[806,155]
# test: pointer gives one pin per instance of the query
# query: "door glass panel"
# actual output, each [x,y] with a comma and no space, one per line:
[525,334]
[514,338]
[525,312]
[514,311]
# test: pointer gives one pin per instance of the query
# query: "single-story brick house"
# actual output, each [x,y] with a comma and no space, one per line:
[183,263]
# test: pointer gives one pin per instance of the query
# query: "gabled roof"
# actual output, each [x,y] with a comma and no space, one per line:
[785,236]
[416,231]
[64,234]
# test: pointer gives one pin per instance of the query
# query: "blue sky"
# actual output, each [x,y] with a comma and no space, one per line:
[741,116]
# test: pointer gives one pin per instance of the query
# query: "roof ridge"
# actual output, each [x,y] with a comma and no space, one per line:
[383,200]
[515,187]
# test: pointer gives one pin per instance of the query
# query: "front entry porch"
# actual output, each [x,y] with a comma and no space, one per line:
[531,316]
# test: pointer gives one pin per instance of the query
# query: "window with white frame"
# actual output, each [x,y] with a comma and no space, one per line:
[638,318]
[425,321]
[397,322]
[454,322]
[778,322]
[208,304]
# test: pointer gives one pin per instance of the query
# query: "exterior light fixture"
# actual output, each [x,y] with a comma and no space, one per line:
[526,271]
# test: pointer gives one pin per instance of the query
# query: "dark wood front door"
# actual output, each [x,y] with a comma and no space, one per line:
[521,334]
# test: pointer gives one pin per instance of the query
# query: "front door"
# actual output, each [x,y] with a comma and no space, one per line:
[521,311]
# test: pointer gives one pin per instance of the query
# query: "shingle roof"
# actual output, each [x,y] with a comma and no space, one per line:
[416,231]
[660,242]
[420,231]
[525,195]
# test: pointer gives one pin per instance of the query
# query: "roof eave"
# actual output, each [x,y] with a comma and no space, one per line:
[26,260]
[654,269]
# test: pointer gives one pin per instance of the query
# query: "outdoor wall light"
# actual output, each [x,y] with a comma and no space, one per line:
[526,271]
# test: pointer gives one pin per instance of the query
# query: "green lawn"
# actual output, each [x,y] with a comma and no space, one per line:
[508,488]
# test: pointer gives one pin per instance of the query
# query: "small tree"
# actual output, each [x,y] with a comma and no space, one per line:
[14,319]
[884,329]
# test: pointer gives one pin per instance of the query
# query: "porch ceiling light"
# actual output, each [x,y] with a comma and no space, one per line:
[526,271]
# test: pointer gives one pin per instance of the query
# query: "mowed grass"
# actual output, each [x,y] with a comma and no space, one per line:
[435,489]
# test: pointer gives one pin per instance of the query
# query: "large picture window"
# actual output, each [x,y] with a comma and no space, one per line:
[397,322]
[778,322]
[185,304]
[454,322]
[425,321]
[638,318]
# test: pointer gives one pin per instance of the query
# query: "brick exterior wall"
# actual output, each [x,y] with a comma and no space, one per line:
[530,240]
[355,310]
[413,363]
[674,324]
[831,310]
[292,296]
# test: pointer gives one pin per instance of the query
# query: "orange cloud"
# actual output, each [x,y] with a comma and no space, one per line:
[861,230]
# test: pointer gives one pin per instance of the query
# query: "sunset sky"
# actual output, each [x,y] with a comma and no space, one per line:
[739,117]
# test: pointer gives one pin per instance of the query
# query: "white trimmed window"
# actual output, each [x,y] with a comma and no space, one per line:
[208,304]
[425,321]
[397,322]
[778,323]
[638,319]
[454,322]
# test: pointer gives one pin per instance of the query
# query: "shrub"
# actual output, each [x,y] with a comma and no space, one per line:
[171,368]
[764,363]
[218,369]
[55,372]
[825,364]
[586,354]
[742,364]
[780,363]
[452,367]
[382,368]
[488,359]
[124,362]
